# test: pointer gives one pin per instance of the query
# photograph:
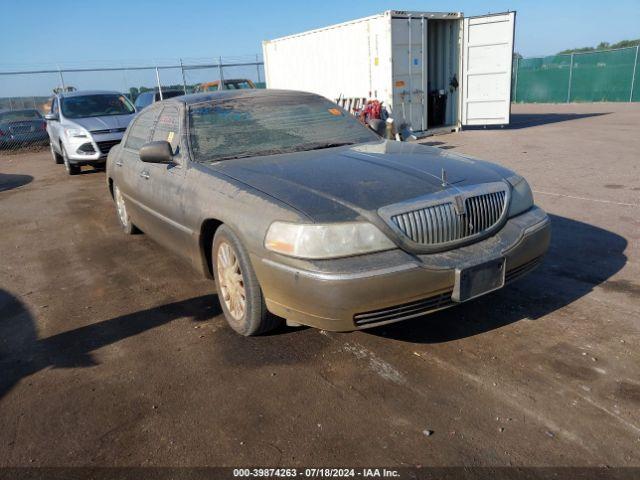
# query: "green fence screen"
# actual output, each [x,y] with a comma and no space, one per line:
[605,76]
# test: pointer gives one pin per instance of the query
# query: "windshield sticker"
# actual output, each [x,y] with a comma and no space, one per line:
[170,137]
[335,111]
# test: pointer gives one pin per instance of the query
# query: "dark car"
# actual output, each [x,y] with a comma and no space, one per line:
[22,127]
[147,98]
[299,210]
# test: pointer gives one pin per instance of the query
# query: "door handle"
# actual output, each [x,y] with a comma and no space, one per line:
[144,174]
[118,164]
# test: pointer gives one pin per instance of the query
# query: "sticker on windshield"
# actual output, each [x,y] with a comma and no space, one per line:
[335,111]
[170,137]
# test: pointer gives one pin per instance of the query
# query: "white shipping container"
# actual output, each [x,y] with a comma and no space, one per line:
[398,58]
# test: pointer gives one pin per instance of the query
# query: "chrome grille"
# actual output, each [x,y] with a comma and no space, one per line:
[444,222]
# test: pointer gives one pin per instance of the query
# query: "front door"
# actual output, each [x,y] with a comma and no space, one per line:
[486,64]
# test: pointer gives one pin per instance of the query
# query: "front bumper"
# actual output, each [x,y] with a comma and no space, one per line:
[370,290]
[98,147]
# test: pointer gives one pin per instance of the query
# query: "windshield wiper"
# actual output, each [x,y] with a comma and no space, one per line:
[320,146]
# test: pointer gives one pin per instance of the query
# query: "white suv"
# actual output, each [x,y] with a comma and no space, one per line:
[83,126]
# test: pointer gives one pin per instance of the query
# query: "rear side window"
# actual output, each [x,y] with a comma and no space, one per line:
[140,130]
[168,127]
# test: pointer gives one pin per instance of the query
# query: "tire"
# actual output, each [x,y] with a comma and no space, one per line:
[235,278]
[121,212]
[56,156]
[71,168]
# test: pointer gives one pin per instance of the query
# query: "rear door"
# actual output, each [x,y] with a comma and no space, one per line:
[486,64]
[161,187]
[127,165]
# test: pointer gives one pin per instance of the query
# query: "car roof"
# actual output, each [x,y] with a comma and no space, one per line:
[194,98]
[82,93]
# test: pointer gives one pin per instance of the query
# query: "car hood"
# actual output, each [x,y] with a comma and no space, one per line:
[103,123]
[347,183]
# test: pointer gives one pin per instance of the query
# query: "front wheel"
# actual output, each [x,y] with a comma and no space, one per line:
[70,167]
[238,288]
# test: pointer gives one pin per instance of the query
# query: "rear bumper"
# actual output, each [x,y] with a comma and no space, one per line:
[24,139]
[370,290]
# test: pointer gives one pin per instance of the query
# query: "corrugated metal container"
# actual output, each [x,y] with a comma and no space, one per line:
[430,70]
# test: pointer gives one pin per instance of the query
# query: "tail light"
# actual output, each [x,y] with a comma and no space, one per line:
[2,134]
[43,126]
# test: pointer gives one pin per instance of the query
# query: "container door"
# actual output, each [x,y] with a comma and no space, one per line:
[486,64]
[409,43]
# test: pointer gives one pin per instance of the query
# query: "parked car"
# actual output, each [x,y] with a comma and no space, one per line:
[147,98]
[227,84]
[22,127]
[84,126]
[298,209]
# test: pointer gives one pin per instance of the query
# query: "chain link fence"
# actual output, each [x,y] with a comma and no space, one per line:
[602,76]
[25,95]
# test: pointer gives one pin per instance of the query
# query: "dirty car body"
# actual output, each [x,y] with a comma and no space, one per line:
[343,233]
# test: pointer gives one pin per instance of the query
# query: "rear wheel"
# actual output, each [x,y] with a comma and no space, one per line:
[121,209]
[56,156]
[70,167]
[238,288]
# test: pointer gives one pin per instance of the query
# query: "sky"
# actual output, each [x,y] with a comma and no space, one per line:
[47,33]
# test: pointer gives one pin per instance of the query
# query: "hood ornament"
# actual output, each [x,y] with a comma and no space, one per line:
[443,177]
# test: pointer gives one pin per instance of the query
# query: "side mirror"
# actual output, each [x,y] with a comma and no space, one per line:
[51,116]
[157,152]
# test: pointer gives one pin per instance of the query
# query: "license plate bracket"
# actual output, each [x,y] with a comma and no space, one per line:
[477,280]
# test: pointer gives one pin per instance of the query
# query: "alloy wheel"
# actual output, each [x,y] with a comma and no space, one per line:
[120,206]
[231,281]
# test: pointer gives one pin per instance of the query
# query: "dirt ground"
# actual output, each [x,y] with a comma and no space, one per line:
[114,352]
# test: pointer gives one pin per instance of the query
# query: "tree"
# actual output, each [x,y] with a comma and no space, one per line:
[603,46]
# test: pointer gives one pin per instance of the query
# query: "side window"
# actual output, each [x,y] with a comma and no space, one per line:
[168,127]
[140,131]
[143,100]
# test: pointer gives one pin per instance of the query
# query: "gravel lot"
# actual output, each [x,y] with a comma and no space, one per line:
[113,352]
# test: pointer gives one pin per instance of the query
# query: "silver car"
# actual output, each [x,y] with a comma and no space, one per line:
[84,126]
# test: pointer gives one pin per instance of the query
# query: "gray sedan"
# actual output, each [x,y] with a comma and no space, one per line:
[301,213]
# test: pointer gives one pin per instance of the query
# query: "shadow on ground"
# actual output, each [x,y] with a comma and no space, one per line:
[527,120]
[580,257]
[11,181]
[23,354]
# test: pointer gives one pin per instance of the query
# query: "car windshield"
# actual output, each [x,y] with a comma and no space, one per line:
[99,105]
[270,124]
[20,115]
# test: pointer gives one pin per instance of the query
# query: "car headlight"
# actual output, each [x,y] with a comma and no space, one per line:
[325,241]
[76,132]
[521,196]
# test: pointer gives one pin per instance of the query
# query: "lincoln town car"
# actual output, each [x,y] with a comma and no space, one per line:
[304,215]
